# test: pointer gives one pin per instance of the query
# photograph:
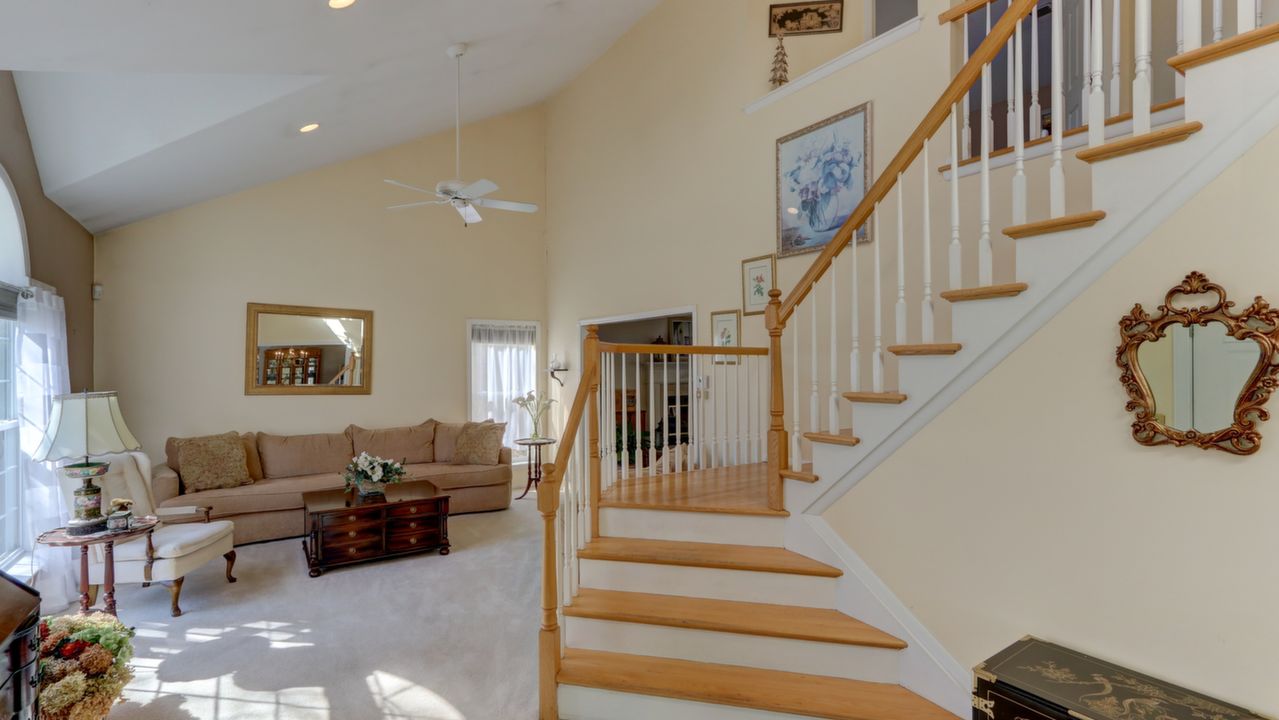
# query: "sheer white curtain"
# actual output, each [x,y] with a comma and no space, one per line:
[41,349]
[503,367]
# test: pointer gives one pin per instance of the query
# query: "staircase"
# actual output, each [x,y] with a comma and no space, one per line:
[688,571]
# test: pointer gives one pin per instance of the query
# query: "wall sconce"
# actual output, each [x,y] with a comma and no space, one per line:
[557,365]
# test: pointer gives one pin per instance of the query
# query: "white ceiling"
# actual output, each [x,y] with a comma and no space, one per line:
[137,107]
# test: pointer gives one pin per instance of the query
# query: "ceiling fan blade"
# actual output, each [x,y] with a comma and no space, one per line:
[506,205]
[406,186]
[468,213]
[413,204]
[479,188]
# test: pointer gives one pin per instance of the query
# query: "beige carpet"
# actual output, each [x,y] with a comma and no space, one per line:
[424,637]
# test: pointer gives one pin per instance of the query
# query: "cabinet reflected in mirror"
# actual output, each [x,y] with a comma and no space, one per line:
[1196,375]
[299,350]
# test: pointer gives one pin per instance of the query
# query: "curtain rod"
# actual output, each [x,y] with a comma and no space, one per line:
[25,292]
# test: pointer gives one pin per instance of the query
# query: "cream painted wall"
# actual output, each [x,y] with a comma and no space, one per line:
[171,327]
[60,250]
[1026,507]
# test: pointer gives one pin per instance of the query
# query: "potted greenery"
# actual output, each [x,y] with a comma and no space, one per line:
[370,474]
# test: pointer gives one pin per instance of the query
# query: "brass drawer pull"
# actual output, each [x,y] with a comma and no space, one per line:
[351,518]
[351,533]
[351,551]
[412,524]
[413,541]
[413,510]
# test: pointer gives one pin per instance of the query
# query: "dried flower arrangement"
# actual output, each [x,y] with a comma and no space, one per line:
[84,665]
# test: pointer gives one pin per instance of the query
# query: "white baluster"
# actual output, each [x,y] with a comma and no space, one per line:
[966,139]
[926,305]
[814,403]
[1258,22]
[955,251]
[1019,140]
[899,310]
[984,258]
[988,118]
[1217,22]
[1246,15]
[652,419]
[1097,101]
[666,414]
[796,462]
[1179,80]
[1191,25]
[854,355]
[639,427]
[1036,123]
[1010,119]
[1085,101]
[1141,82]
[833,398]
[625,444]
[683,400]
[877,357]
[1056,174]
[1115,35]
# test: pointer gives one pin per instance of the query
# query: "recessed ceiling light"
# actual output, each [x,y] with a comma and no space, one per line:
[309,127]
[339,4]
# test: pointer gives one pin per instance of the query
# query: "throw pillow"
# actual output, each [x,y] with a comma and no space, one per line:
[250,453]
[414,444]
[215,461]
[479,444]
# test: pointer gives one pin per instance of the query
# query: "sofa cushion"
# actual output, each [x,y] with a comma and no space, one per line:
[263,496]
[214,461]
[251,458]
[410,444]
[445,439]
[289,455]
[448,477]
[479,444]
[177,540]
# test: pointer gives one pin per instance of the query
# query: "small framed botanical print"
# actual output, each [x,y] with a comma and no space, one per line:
[726,330]
[759,275]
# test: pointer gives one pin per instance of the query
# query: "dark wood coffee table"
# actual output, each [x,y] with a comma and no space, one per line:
[344,528]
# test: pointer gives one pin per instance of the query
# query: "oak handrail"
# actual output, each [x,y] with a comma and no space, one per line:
[641,349]
[960,10]
[932,122]
[569,433]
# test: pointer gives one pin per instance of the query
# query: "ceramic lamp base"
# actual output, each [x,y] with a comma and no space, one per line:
[88,498]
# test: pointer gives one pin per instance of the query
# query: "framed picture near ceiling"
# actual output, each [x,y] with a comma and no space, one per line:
[726,331]
[806,18]
[823,172]
[759,275]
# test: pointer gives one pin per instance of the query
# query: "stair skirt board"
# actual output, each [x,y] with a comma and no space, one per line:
[702,527]
[744,585]
[853,662]
[583,703]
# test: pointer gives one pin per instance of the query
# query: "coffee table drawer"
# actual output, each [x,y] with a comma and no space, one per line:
[411,541]
[354,533]
[428,506]
[354,551]
[412,525]
[351,516]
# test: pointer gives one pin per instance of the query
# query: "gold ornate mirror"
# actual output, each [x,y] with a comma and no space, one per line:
[1199,374]
[299,350]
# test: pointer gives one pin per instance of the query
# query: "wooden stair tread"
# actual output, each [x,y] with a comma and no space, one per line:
[745,618]
[1225,48]
[1137,143]
[881,398]
[1059,224]
[986,292]
[785,692]
[843,437]
[926,349]
[707,555]
[804,473]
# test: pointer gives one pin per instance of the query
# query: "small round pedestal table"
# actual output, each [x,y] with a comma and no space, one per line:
[535,462]
[59,538]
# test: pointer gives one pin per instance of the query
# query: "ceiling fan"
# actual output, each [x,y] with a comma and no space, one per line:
[463,196]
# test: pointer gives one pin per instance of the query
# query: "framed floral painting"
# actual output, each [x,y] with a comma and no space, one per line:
[726,331]
[805,18]
[823,172]
[759,275]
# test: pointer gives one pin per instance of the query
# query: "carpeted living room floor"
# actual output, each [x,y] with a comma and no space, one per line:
[423,637]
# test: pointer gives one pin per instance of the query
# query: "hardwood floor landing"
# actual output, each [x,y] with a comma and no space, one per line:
[737,489]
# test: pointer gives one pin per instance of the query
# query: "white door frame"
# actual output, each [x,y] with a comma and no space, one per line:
[690,310]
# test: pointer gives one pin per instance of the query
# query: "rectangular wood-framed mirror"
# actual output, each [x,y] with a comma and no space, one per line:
[301,350]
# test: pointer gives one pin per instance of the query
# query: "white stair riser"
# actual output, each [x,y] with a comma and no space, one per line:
[743,585]
[692,527]
[770,653]
[581,703]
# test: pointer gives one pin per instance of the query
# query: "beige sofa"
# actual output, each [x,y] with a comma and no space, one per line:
[285,466]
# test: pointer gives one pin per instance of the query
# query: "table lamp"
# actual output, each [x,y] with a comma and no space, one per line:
[86,425]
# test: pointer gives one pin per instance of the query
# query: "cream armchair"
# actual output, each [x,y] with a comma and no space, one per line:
[174,549]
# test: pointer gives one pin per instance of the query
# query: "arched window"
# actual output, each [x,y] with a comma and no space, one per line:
[14,266]
[14,269]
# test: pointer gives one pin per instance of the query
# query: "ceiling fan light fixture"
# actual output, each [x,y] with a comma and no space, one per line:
[309,127]
[341,4]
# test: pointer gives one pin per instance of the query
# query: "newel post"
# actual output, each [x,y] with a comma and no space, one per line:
[778,443]
[591,375]
[548,641]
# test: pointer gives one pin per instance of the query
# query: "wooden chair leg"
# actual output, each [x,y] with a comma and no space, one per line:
[230,563]
[175,590]
[93,595]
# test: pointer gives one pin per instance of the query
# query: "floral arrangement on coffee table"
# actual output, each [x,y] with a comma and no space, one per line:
[370,473]
[84,665]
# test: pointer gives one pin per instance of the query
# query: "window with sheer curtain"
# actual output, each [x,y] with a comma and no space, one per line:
[503,366]
[9,450]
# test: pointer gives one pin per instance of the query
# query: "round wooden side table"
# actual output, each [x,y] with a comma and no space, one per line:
[59,538]
[535,463]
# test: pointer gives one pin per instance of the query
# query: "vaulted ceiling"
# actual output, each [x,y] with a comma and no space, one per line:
[137,107]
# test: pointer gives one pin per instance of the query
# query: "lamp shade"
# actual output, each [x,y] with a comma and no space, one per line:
[85,425]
